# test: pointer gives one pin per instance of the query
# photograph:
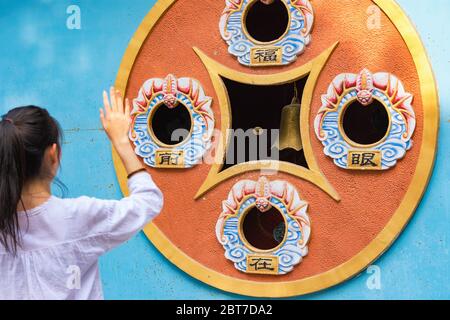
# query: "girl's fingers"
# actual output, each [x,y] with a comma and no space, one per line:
[106,104]
[112,93]
[120,106]
[102,117]
[127,107]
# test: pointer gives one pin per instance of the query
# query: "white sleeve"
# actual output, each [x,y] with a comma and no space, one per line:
[113,222]
[130,215]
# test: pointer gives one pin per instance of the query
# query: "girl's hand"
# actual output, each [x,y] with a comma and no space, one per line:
[116,117]
[116,121]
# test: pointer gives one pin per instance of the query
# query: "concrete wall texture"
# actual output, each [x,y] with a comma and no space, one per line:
[45,63]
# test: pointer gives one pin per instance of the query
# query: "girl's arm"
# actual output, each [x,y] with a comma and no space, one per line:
[116,121]
[113,222]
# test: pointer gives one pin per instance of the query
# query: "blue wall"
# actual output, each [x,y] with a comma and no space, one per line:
[44,63]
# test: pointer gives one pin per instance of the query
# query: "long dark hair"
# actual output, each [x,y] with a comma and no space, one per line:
[25,134]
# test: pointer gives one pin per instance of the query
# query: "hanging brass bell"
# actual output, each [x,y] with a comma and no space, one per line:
[290,137]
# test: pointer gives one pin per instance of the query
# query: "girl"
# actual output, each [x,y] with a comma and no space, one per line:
[49,247]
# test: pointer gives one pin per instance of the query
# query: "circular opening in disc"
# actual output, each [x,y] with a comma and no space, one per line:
[365,125]
[267,22]
[264,230]
[171,126]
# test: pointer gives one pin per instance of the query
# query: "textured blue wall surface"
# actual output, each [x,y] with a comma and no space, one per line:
[45,63]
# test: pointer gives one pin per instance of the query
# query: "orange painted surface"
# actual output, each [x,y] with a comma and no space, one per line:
[369,199]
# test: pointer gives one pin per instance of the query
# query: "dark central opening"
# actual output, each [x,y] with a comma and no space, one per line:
[267,23]
[171,126]
[264,231]
[365,124]
[260,107]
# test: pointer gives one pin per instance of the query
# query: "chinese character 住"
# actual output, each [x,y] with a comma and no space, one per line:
[364,159]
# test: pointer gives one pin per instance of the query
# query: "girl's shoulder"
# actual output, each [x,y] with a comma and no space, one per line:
[84,216]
